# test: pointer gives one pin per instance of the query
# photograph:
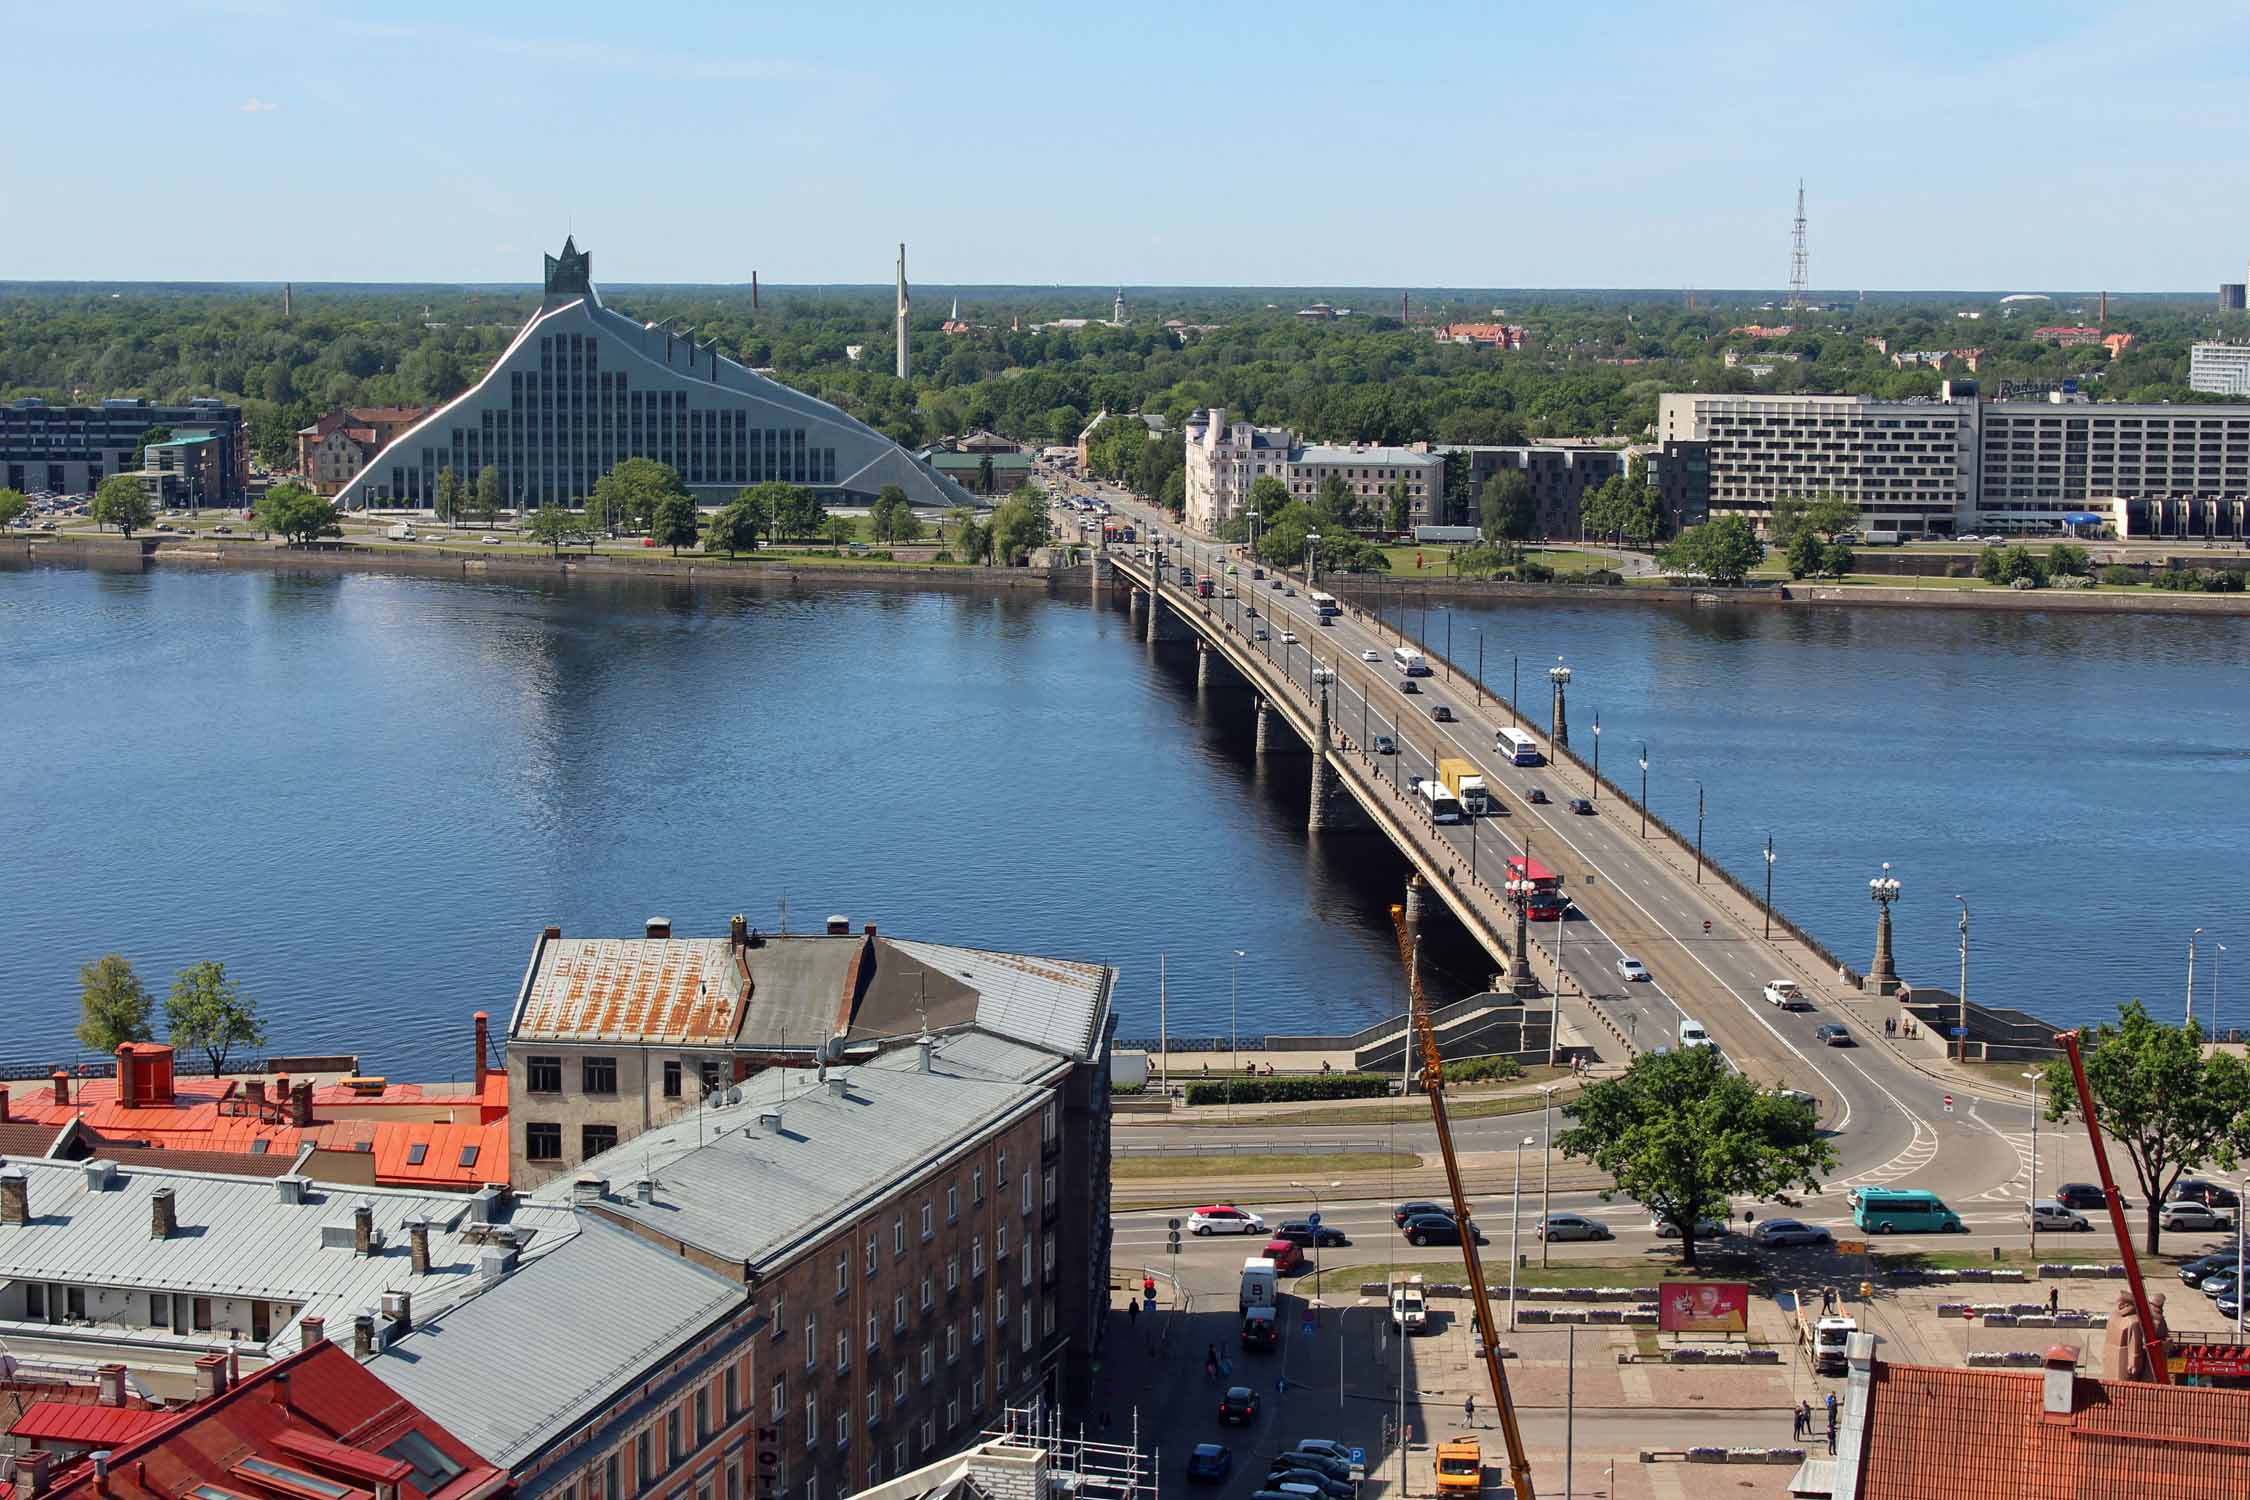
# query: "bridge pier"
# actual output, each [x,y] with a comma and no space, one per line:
[1333,808]
[1203,665]
[1135,603]
[1155,612]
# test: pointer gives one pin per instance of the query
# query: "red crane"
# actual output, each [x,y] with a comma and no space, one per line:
[2159,1367]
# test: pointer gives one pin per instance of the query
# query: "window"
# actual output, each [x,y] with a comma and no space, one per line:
[953,1203]
[780,1313]
[593,1140]
[1000,1376]
[1026,1340]
[898,1312]
[925,1294]
[734,1481]
[1000,1307]
[927,1229]
[843,1272]
[159,1308]
[1049,1200]
[898,1456]
[953,1413]
[416,1154]
[929,1436]
[613,1477]
[976,1394]
[703,1411]
[898,1386]
[953,1273]
[812,1485]
[874,1339]
[597,1075]
[1000,1241]
[843,1423]
[976,1324]
[976,1185]
[543,1075]
[871,1243]
[1000,1171]
[732,1390]
[709,1068]
[812,1418]
[843,1352]
[874,1407]
[976,1255]
[542,1141]
[928,1364]
[898,1235]
[1027,1192]
[875,1468]
[780,1406]
[644,1463]
[672,1079]
[952,1342]
[812,1342]
[674,1446]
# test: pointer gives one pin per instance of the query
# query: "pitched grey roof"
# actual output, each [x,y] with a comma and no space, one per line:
[745,1192]
[518,1364]
[236,1238]
[1056,1003]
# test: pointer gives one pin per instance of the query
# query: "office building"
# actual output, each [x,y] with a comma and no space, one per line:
[2232,296]
[1560,476]
[70,450]
[582,388]
[2145,468]
[2219,369]
[332,451]
[1225,459]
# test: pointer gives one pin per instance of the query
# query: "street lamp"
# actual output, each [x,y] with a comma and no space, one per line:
[1558,724]
[1316,1190]
[1699,833]
[1312,553]
[1769,882]
[2215,990]
[1449,643]
[1515,1232]
[1480,666]
[2242,1205]
[1644,789]
[1961,1023]
[2191,975]
[1515,691]
[1883,890]
[1597,754]
[2034,1080]
[1253,518]
[1547,1156]
[1234,1009]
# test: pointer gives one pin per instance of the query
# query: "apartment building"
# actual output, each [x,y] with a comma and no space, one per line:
[1224,459]
[1560,476]
[332,450]
[1370,473]
[2147,468]
[2219,369]
[70,450]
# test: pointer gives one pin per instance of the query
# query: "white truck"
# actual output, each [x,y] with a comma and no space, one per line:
[1786,994]
[1832,1339]
[1410,1305]
[1260,1283]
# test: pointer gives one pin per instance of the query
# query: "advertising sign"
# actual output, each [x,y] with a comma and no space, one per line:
[1703,1307]
[2225,1360]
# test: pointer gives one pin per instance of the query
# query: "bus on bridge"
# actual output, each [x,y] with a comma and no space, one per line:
[1520,748]
[1544,901]
[1439,802]
[1325,606]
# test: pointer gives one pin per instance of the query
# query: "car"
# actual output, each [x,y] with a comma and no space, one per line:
[1327,1447]
[1582,807]
[1631,970]
[2229,1305]
[1294,1481]
[2210,1194]
[2205,1265]
[1778,1232]
[1318,1463]
[1261,634]
[490,541]
[1560,1227]
[1209,1463]
[2186,1215]
[1277,583]
[1536,794]
[1370,655]
[2218,1283]
[1437,1229]
[1251,610]
[1705,1229]
[224,530]
[2087,1196]
[2048,1214]
[1385,745]
[1289,591]
[1832,1035]
[1224,1218]
[1786,994]
[1238,1405]
[1405,1211]
[1289,637]
[1302,1232]
[1441,713]
[1410,686]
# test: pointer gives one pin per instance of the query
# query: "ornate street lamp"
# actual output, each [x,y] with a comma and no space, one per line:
[1884,890]
[1558,720]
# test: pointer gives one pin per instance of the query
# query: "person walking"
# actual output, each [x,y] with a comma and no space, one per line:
[2054,1300]
[1469,1410]
[1800,1422]
[1831,1414]
[1133,1311]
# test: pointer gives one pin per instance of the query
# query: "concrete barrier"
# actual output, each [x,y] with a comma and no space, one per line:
[2006,1358]
[1736,1455]
[1949,1278]
[2049,1272]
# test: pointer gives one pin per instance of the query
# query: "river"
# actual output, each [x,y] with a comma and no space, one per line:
[366,793]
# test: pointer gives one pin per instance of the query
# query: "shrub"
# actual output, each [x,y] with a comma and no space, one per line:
[2073,581]
[1116,1087]
[2118,573]
[1603,576]
[1532,572]
[1482,1069]
[1288,1089]
[2023,583]
[2069,557]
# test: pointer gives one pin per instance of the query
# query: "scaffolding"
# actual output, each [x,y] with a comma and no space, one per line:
[1077,1465]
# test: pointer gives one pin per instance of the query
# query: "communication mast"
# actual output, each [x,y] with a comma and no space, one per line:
[1797,261]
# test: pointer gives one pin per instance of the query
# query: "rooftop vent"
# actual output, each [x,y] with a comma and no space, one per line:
[292,1188]
[101,1174]
[769,1122]
[589,1190]
[657,927]
[839,1086]
[645,1190]
[839,926]
[485,1204]
[494,1262]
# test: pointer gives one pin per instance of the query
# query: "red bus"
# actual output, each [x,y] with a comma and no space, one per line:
[1545,901]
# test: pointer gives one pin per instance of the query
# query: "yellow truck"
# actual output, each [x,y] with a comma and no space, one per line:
[1463,780]
[1460,1468]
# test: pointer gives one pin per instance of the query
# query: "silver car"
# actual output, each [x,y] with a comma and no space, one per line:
[1559,1227]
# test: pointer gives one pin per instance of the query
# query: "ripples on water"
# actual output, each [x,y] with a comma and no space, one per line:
[367,793]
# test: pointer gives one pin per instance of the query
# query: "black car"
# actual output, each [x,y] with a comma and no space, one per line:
[1536,795]
[1209,1463]
[1301,1232]
[1436,1229]
[1409,685]
[2206,1265]
[1319,1463]
[1441,713]
[1238,1405]
[2209,1194]
[1582,807]
[1405,1211]
[2087,1195]
[1334,1489]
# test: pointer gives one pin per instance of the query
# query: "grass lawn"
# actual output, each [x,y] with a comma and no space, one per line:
[1411,1112]
[1433,555]
[1608,1271]
[1187,1164]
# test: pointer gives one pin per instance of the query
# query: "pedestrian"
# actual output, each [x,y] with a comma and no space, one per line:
[1831,1440]
[1133,1311]
[1211,1355]
[1801,1420]
[1469,1410]
[1827,1303]
[1832,1413]
[2054,1300]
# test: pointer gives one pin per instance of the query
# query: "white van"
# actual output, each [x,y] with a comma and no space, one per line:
[1692,1033]
[1258,1283]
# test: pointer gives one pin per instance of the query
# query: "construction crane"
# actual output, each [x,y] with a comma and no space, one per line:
[2158,1362]
[1433,1086]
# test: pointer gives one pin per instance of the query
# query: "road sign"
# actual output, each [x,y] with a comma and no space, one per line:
[1314,1221]
[1173,1225]
[1307,1328]
[1949,1104]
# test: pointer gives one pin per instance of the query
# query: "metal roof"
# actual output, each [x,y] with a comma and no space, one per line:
[571,1342]
[747,1192]
[1056,1003]
[1318,453]
[639,989]
[237,1238]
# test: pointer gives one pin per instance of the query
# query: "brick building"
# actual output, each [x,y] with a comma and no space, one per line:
[332,451]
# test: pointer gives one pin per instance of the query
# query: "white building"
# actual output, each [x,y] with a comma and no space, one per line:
[583,388]
[1224,460]
[2219,369]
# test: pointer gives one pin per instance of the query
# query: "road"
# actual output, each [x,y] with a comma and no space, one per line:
[1889,1124]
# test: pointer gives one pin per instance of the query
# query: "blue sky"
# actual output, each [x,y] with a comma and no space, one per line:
[2034,146]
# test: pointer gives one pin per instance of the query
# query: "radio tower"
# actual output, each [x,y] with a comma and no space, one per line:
[1797,252]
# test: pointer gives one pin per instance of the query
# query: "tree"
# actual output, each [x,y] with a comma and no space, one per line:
[1829,514]
[796,510]
[2064,559]
[1018,526]
[1681,1132]
[629,493]
[446,505]
[123,502]
[733,528]
[1173,497]
[2170,1106]
[553,525]
[488,494]
[12,507]
[1506,509]
[891,518]
[209,1011]
[1722,551]
[839,531]
[984,474]
[2018,562]
[1622,506]
[297,515]
[1836,559]
[1337,506]
[1401,511]
[1784,520]
[113,1006]
[1805,551]
[674,524]
[1268,497]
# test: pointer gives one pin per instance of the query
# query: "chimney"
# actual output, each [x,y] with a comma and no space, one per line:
[925,1050]
[398,1310]
[657,927]
[281,1090]
[163,1218]
[645,1190]
[290,1188]
[589,1190]
[484,1043]
[839,1087]
[363,1229]
[255,1091]
[279,1387]
[210,1377]
[31,1473]
[62,1086]
[418,1245]
[300,1105]
[869,929]
[110,1379]
[15,1197]
[101,1175]
[2061,1381]
[101,1457]
[839,926]
[363,1336]
[494,1262]
[312,1329]
[126,1097]
[551,934]
[738,938]
[3,1106]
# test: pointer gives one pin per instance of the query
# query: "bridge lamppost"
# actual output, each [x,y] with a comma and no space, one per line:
[1519,890]
[1769,882]
[1597,753]
[1699,836]
[1884,890]
[1644,789]
[1558,721]
[1480,679]
[1312,556]
[1253,519]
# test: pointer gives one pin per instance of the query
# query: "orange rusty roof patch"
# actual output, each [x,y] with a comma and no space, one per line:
[423,1154]
[647,989]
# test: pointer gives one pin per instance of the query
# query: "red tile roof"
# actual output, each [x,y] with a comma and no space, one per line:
[1985,1433]
[84,1423]
[299,1414]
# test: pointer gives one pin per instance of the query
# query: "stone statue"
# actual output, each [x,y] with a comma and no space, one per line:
[2125,1343]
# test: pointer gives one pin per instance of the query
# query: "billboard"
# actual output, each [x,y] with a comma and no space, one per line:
[1703,1307]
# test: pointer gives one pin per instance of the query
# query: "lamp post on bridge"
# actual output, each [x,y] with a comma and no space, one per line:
[1597,753]
[1644,789]
[1558,721]
[1518,890]
[1480,701]
[1312,555]
[1699,835]
[1883,889]
[1769,882]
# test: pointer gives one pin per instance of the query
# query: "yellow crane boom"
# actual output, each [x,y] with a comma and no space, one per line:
[1433,1085]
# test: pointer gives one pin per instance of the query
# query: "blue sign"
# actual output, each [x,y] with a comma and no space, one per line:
[1314,1221]
[1359,1458]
